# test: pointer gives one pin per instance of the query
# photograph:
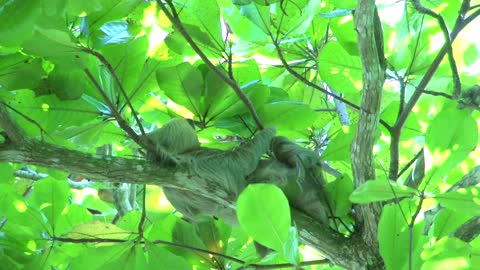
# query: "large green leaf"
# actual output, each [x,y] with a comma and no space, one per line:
[339,146]
[16,209]
[128,60]
[50,113]
[257,93]
[264,213]
[15,66]
[102,257]
[186,234]
[291,247]
[221,101]
[341,70]
[339,192]
[162,228]
[214,233]
[244,27]
[18,21]
[53,41]
[287,115]
[394,238]
[108,10]
[448,253]
[162,259]
[202,21]
[183,84]
[257,14]
[73,215]
[450,138]
[344,30]
[65,84]
[464,199]
[447,220]
[51,197]
[380,190]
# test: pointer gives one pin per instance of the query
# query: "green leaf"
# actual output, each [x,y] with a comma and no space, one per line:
[448,252]
[183,84]
[470,55]
[450,138]
[15,66]
[186,234]
[290,247]
[162,259]
[348,4]
[344,30]
[162,228]
[18,21]
[394,238]
[44,110]
[245,28]
[51,42]
[339,146]
[89,135]
[20,214]
[233,106]
[287,115]
[264,213]
[65,84]
[464,199]
[51,197]
[257,14]
[128,60]
[215,234]
[380,190]
[73,215]
[341,70]
[202,21]
[115,32]
[108,10]
[339,192]
[101,257]
[6,172]
[447,220]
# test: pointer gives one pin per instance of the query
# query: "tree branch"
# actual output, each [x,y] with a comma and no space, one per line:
[11,129]
[120,170]
[459,25]
[112,72]
[370,43]
[448,44]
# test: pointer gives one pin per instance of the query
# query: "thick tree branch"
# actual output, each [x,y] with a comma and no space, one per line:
[370,43]
[120,170]
[395,131]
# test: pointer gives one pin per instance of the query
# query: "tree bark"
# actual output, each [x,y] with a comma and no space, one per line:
[350,253]
[370,44]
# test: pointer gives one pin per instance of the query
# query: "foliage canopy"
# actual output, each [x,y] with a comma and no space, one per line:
[386,93]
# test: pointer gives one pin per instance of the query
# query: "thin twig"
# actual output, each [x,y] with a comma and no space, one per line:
[26,117]
[459,25]
[140,140]
[111,70]
[448,44]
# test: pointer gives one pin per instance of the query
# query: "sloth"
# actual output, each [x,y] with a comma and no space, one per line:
[296,170]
